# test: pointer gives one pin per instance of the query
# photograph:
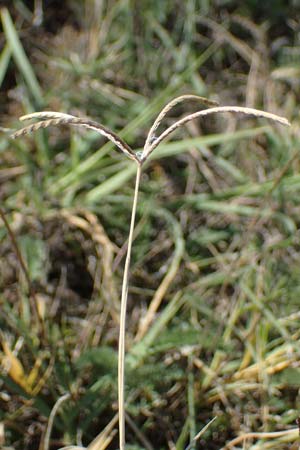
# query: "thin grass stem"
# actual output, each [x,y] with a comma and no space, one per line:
[121,353]
[24,268]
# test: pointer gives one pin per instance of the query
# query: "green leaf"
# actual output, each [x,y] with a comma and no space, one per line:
[20,57]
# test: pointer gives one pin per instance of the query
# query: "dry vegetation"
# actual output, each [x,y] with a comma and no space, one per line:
[213,308]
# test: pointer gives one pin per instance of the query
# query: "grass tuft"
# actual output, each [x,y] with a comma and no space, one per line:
[213,298]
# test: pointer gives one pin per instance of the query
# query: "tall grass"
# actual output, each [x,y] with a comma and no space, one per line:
[152,141]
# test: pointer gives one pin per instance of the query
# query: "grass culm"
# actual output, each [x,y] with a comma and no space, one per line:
[153,140]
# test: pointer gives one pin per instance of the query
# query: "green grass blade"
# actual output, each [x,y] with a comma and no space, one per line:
[4,61]
[165,150]
[111,184]
[141,348]
[20,57]
[177,147]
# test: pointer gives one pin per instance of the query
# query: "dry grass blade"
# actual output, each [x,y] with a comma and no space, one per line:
[201,432]
[49,118]
[293,434]
[102,441]
[170,106]
[220,109]
[51,419]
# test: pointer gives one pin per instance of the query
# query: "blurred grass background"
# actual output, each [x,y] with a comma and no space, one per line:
[213,322]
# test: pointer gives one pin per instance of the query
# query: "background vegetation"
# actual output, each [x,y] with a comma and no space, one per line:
[214,298]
